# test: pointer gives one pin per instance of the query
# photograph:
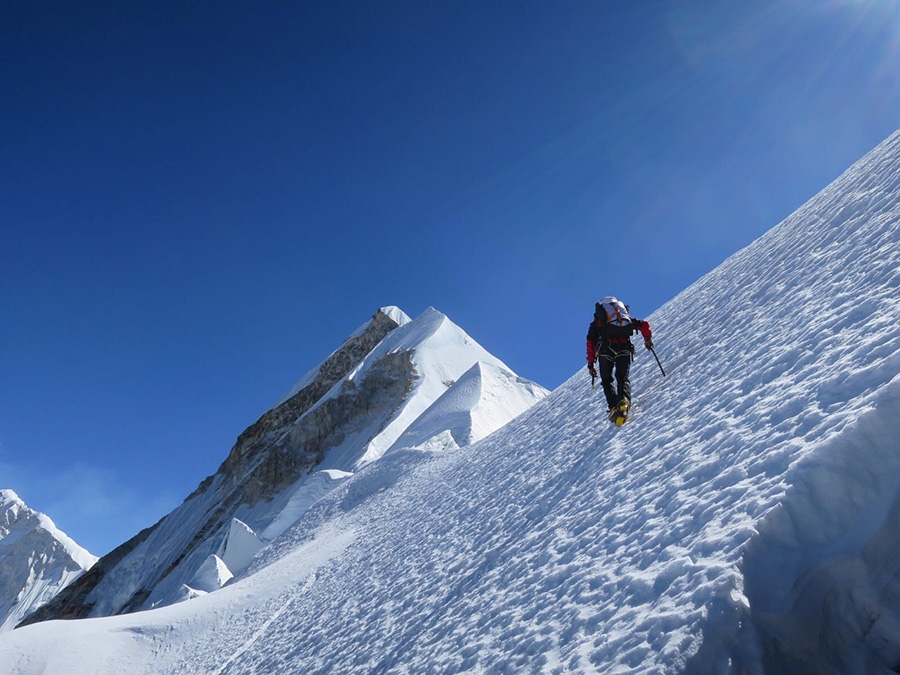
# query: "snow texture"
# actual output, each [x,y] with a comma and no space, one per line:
[239,546]
[745,520]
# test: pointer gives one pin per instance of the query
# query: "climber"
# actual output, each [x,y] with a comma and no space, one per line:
[609,342]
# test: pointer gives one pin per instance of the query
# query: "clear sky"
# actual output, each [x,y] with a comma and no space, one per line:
[200,200]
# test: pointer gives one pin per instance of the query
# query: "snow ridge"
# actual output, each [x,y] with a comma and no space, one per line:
[393,314]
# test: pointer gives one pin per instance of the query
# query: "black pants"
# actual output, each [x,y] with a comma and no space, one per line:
[619,362]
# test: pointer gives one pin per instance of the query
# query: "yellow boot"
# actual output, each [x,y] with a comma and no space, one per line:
[619,414]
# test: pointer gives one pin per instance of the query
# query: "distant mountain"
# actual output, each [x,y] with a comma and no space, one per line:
[393,383]
[37,560]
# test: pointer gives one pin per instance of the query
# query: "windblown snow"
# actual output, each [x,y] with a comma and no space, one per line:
[745,520]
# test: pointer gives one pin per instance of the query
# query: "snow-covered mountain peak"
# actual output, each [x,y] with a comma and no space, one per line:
[343,415]
[418,332]
[395,314]
[10,505]
[354,347]
[17,515]
[37,560]
[435,353]
[440,350]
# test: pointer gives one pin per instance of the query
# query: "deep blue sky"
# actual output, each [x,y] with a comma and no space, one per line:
[200,200]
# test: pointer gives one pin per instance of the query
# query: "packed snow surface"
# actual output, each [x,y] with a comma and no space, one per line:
[745,520]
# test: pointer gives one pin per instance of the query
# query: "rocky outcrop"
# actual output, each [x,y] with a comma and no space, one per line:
[242,464]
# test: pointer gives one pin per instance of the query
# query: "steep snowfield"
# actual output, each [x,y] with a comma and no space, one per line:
[36,559]
[745,520]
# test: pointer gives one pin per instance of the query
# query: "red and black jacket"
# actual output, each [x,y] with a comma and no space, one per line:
[601,333]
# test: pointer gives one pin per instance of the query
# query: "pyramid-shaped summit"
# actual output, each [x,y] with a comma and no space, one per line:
[343,415]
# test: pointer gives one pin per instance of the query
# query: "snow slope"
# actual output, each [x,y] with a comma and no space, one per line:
[744,520]
[37,559]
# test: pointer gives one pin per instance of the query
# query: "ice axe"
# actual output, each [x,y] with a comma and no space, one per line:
[653,351]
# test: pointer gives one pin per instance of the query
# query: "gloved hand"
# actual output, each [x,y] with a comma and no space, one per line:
[592,370]
[648,344]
